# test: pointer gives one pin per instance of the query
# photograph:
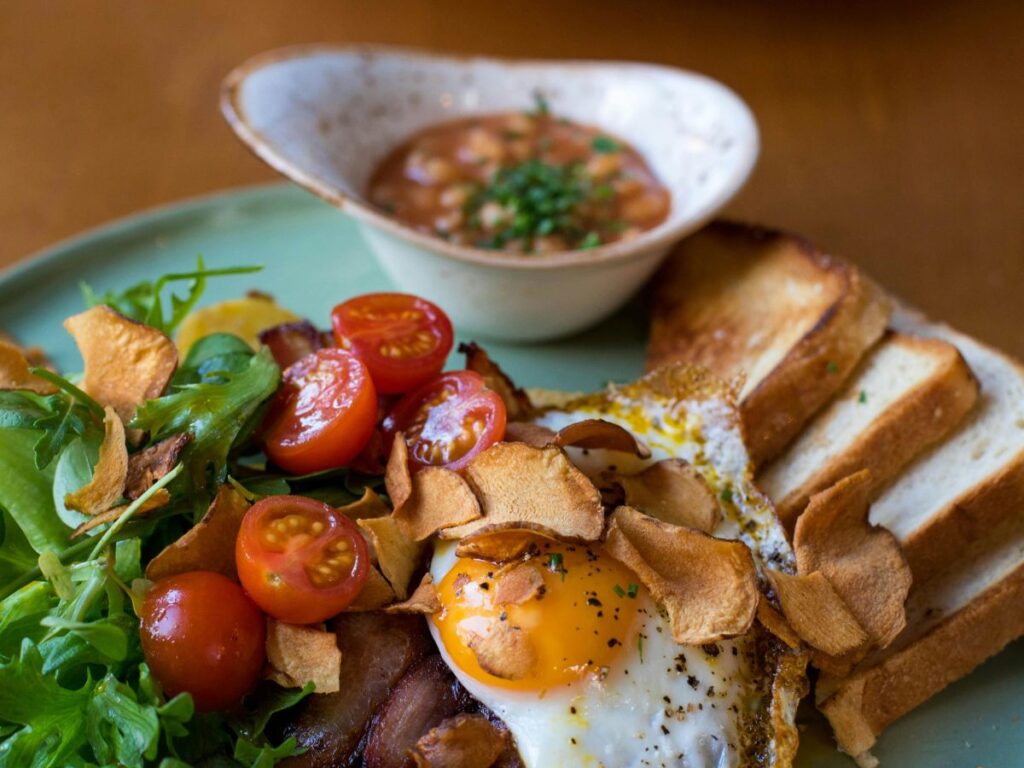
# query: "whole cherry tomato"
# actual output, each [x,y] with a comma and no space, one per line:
[301,560]
[448,420]
[403,339]
[323,414]
[202,634]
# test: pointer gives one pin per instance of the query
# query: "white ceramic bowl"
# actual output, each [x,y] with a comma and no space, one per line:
[325,116]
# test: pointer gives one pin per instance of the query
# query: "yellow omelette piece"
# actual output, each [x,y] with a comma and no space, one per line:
[244,318]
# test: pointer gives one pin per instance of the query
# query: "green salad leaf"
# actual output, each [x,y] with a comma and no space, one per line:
[144,301]
[25,493]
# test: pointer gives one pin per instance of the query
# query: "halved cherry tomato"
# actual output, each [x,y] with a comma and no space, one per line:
[202,634]
[301,560]
[448,421]
[323,414]
[403,339]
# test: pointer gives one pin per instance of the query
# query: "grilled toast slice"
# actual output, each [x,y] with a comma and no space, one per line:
[768,306]
[908,393]
[963,487]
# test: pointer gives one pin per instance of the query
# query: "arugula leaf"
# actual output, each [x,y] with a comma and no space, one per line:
[21,613]
[25,492]
[16,554]
[216,413]
[143,301]
[53,717]
[120,729]
[210,358]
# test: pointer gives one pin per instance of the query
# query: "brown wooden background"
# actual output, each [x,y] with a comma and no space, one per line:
[892,131]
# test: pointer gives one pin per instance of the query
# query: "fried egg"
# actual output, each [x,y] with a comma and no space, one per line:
[609,687]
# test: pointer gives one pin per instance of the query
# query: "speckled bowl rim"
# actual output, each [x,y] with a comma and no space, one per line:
[661,236]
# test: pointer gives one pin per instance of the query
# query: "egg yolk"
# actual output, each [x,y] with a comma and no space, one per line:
[575,624]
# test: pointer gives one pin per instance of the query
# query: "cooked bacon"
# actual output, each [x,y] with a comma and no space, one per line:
[376,651]
[149,465]
[290,342]
[463,741]
[427,694]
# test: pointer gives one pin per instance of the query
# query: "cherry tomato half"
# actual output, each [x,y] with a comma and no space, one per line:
[202,634]
[301,560]
[403,339]
[323,414]
[448,421]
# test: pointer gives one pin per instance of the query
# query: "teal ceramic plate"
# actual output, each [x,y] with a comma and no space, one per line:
[313,257]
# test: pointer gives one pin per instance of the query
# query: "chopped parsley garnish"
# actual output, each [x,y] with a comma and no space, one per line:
[632,590]
[538,199]
[725,495]
[619,591]
[604,145]
[831,367]
[862,397]
[555,564]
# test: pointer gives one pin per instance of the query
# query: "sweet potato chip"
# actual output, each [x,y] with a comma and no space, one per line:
[517,402]
[108,476]
[14,371]
[439,499]
[423,600]
[517,583]
[527,432]
[209,545]
[161,498]
[298,655]
[397,478]
[599,434]
[463,741]
[370,505]
[375,594]
[502,650]
[864,563]
[776,623]
[150,464]
[515,482]
[503,542]
[126,363]
[675,492]
[397,554]
[707,586]
[817,613]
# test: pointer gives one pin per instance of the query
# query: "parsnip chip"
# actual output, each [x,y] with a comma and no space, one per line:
[397,554]
[502,650]
[209,545]
[864,563]
[126,363]
[463,741]
[14,371]
[440,499]
[161,498]
[518,483]
[600,434]
[36,356]
[423,600]
[370,505]
[527,432]
[776,623]
[150,464]
[517,583]
[817,613]
[707,586]
[517,402]
[503,542]
[108,476]
[397,478]
[375,594]
[298,655]
[675,492]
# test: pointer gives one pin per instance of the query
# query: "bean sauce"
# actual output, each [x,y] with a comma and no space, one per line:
[527,182]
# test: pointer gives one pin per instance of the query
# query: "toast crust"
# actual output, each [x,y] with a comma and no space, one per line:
[769,306]
[917,420]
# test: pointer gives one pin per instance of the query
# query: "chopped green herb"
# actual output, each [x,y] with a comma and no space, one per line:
[540,103]
[604,145]
[831,367]
[862,397]
[619,591]
[632,590]
[555,564]
[592,240]
[726,495]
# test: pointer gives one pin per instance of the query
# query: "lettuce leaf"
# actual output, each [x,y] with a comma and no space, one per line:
[25,493]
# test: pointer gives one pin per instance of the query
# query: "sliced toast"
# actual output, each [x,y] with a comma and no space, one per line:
[963,487]
[770,307]
[907,394]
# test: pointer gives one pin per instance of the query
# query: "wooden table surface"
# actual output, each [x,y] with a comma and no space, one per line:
[891,130]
